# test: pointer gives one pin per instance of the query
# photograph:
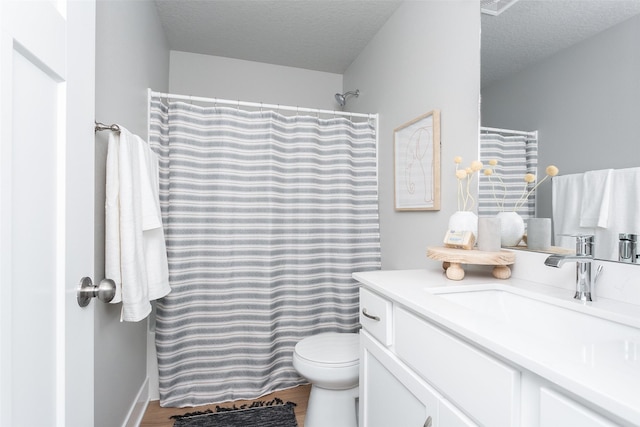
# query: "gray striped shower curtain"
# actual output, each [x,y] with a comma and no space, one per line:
[266,217]
[516,155]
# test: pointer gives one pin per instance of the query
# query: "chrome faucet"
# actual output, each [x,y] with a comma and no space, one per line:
[583,259]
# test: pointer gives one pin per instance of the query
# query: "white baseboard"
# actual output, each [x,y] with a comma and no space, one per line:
[152,366]
[136,413]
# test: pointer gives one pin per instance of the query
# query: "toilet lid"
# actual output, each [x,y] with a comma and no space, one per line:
[330,348]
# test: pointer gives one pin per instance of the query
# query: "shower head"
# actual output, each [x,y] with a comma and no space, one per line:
[342,97]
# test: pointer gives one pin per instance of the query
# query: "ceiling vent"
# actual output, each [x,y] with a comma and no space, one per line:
[495,7]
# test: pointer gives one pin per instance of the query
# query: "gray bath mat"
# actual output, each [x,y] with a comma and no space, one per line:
[274,415]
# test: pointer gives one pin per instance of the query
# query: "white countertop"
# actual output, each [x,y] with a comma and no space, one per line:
[611,380]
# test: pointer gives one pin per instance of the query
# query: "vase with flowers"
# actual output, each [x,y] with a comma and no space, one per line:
[464,219]
[512,225]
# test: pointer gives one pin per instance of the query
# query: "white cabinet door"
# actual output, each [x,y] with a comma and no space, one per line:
[450,416]
[389,396]
[557,410]
[390,403]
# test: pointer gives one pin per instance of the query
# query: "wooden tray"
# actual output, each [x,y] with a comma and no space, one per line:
[452,260]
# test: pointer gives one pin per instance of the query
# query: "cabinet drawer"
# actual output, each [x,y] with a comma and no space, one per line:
[558,410]
[377,320]
[488,390]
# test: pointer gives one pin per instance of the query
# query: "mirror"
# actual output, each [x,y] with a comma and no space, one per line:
[571,71]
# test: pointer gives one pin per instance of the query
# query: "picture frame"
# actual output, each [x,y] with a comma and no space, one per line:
[416,152]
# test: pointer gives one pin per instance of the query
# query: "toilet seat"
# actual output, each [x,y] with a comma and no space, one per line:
[331,349]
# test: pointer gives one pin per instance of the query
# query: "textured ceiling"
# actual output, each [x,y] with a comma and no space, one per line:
[322,35]
[327,35]
[533,29]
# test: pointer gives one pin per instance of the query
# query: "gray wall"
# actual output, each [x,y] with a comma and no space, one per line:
[426,57]
[235,79]
[584,101]
[131,55]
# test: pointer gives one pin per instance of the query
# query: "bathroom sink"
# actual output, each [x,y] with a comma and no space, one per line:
[569,324]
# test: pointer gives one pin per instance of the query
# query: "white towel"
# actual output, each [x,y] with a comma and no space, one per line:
[566,202]
[112,216]
[596,196]
[135,252]
[624,207]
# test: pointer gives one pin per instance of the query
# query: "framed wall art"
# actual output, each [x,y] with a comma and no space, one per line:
[416,149]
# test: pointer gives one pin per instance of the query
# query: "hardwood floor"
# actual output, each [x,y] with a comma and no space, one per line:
[156,416]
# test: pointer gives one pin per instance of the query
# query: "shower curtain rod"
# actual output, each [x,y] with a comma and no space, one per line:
[261,105]
[533,134]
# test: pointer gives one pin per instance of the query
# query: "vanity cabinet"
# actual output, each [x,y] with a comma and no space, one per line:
[414,372]
[391,393]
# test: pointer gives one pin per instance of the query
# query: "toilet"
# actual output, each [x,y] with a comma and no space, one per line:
[331,363]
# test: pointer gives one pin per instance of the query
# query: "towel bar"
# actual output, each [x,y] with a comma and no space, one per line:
[101,126]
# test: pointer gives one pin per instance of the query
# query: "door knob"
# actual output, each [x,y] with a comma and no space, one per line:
[105,291]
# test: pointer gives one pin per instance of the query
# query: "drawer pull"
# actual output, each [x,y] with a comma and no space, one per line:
[370,316]
[428,422]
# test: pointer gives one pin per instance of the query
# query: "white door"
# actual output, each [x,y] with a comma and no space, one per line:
[47,74]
